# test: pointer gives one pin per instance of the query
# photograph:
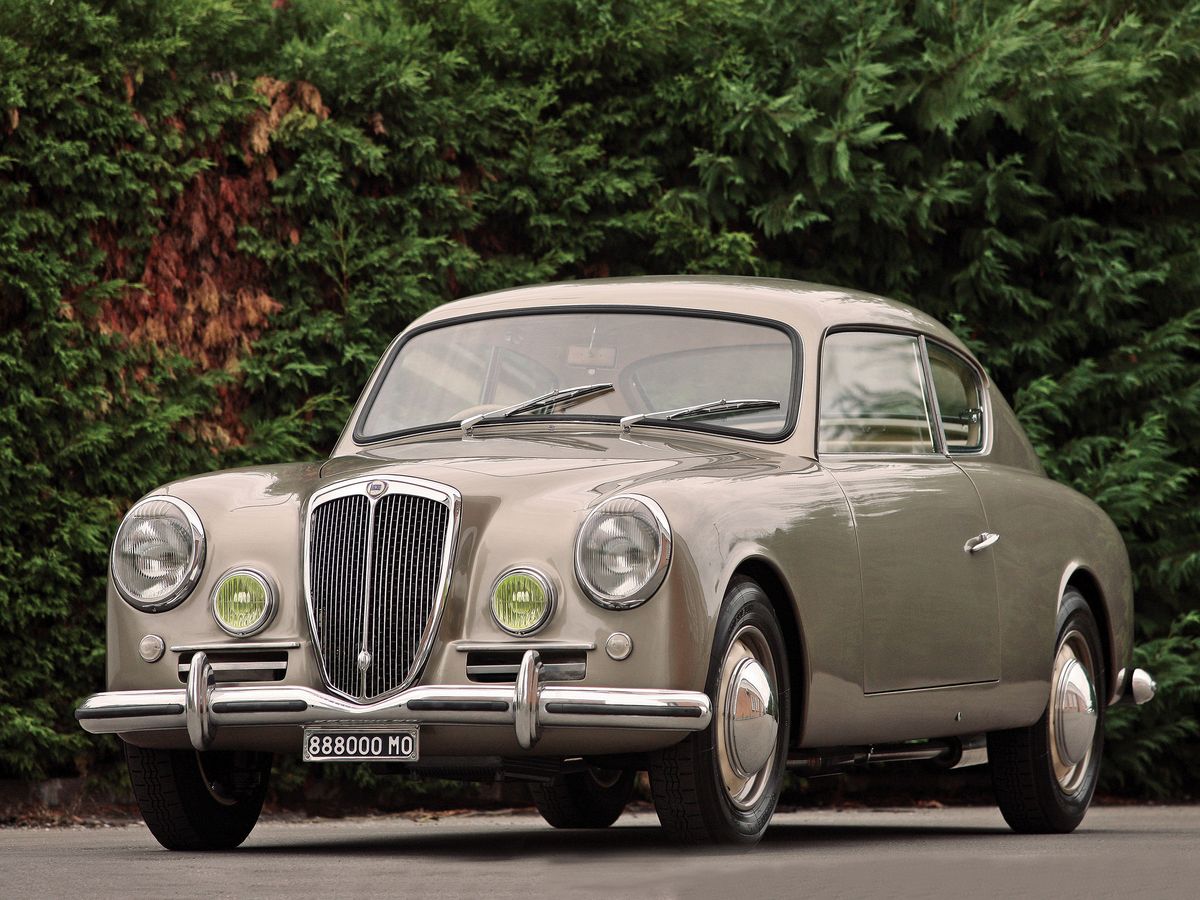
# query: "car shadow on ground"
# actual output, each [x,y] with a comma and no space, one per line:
[537,840]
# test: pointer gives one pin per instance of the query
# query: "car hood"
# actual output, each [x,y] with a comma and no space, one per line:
[489,464]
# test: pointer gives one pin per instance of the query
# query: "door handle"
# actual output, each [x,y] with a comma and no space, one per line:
[980,542]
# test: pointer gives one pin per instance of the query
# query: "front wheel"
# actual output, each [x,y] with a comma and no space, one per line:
[1044,775]
[198,801]
[594,798]
[721,785]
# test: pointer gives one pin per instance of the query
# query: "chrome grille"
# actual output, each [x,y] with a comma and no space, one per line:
[376,571]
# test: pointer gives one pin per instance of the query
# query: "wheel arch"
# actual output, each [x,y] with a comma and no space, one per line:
[1084,580]
[765,573]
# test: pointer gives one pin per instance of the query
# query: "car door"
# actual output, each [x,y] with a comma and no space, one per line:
[930,616]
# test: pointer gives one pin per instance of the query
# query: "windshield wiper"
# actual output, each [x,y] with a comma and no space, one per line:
[557,397]
[700,411]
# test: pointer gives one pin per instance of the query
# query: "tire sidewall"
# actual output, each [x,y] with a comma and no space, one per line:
[1075,614]
[745,604]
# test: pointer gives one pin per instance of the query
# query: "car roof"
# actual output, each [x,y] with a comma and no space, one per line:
[809,308]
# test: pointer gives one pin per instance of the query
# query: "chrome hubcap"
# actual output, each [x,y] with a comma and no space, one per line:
[1073,711]
[748,719]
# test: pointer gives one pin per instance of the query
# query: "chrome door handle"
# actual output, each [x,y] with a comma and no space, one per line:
[980,542]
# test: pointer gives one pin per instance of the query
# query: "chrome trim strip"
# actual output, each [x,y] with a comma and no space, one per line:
[240,645]
[277,665]
[558,706]
[418,487]
[499,646]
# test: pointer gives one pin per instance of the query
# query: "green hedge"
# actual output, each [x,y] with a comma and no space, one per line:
[215,214]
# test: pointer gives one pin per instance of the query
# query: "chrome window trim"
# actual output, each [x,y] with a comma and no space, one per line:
[419,487]
[362,407]
[272,601]
[985,399]
[980,373]
[646,591]
[547,585]
[199,551]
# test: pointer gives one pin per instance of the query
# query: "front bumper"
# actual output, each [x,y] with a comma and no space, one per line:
[202,708]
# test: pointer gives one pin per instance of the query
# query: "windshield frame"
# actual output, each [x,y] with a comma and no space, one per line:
[384,368]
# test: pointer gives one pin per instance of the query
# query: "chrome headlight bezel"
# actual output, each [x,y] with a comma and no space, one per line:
[268,610]
[192,571]
[658,571]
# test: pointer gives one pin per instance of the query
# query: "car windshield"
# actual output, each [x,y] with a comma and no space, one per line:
[654,360]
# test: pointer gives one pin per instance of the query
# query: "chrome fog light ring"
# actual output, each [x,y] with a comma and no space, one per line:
[246,578]
[549,599]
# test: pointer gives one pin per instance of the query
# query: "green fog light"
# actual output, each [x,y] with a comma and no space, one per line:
[243,602]
[522,601]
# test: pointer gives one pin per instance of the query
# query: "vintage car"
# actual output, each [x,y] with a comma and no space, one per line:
[708,528]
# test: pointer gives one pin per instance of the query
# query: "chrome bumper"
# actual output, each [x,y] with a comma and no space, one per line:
[529,706]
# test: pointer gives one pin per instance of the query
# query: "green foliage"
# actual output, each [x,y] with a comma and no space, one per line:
[1026,171]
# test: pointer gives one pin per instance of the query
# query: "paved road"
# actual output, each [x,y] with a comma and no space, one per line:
[1138,852]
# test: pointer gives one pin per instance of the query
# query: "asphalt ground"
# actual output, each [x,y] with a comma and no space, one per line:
[1132,853]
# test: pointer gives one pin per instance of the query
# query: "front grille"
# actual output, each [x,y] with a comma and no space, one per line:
[376,572]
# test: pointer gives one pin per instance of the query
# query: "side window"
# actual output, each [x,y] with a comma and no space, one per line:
[959,399]
[872,395]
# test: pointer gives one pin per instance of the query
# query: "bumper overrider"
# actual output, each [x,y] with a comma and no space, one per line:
[529,707]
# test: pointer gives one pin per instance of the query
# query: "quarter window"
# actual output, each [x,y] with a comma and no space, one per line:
[959,399]
[872,395]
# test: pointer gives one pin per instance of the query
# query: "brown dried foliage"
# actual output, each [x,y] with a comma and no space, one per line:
[197,292]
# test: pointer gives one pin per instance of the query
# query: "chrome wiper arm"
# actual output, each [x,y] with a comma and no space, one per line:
[557,397]
[700,411]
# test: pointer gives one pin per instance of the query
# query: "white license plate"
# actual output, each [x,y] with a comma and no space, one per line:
[392,743]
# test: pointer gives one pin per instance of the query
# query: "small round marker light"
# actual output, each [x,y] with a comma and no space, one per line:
[243,602]
[522,601]
[618,646]
[151,648]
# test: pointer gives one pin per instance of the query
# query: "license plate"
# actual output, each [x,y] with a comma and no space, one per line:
[391,743]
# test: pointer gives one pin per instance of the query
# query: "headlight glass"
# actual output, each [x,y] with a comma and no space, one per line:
[243,602]
[522,601]
[158,553]
[622,552]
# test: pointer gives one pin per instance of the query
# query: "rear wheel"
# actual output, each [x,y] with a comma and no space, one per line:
[721,785]
[1044,775]
[198,801]
[594,798]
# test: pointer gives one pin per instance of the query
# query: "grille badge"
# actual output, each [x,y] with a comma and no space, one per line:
[376,489]
[364,660]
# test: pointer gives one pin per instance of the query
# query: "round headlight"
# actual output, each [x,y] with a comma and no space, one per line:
[243,602]
[522,601]
[622,552]
[158,553]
